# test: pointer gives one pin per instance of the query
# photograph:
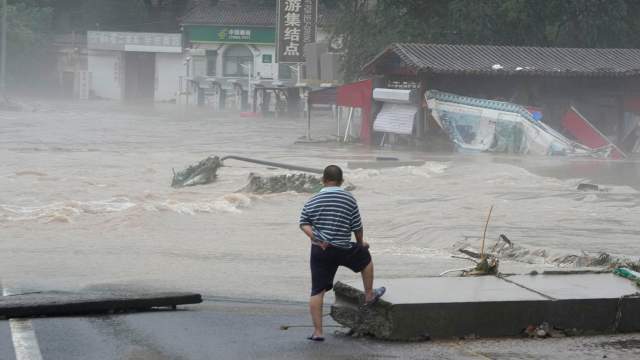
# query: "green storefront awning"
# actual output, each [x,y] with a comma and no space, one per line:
[230,34]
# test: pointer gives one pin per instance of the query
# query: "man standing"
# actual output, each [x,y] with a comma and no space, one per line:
[328,219]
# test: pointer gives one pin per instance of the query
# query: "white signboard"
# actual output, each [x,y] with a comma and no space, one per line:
[396,119]
[134,41]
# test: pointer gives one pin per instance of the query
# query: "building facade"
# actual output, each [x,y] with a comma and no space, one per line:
[135,66]
[230,48]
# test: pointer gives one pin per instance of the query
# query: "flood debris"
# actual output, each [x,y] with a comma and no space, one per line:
[481,125]
[588,187]
[587,134]
[545,330]
[301,183]
[628,274]
[505,249]
[298,182]
[204,172]
[487,263]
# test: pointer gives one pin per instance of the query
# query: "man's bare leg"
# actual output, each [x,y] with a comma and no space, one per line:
[367,281]
[315,308]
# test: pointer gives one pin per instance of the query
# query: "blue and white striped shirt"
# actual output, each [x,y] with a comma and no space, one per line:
[333,215]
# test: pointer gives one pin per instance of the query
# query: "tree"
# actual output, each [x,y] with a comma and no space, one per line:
[27,37]
[369,27]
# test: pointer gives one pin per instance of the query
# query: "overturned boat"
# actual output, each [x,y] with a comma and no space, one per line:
[480,125]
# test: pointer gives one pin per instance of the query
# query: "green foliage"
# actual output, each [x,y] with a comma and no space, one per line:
[369,26]
[27,37]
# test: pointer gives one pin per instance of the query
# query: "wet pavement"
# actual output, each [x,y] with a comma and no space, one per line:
[249,330]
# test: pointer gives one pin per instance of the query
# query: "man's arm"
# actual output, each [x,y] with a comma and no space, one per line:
[360,238]
[308,230]
[356,227]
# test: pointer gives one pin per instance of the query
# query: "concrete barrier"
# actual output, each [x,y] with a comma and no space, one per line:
[489,306]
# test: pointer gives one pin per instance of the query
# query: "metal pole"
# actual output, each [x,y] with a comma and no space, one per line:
[347,130]
[3,59]
[273,164]
[308,118]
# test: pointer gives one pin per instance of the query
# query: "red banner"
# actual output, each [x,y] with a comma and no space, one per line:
[359,95]
[587,134]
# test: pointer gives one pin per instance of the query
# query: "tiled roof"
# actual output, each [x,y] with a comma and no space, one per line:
[242,14]
[230,13]
[484,59]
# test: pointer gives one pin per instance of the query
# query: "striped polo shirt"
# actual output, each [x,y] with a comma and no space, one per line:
[333,215]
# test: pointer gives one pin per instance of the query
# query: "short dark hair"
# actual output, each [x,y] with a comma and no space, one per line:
[332,173]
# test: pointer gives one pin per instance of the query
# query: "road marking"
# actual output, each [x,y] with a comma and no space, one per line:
[25,343]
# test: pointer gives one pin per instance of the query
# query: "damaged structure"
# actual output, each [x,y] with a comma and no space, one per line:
[552,84]
[491,306]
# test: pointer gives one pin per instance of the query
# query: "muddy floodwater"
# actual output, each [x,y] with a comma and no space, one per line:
[86,202]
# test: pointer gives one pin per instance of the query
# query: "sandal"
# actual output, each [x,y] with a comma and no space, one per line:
[377,294]
[315,338]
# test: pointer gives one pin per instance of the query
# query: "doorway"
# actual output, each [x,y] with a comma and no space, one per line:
[139,75]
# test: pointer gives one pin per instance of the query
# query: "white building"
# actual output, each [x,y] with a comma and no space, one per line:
[135,66]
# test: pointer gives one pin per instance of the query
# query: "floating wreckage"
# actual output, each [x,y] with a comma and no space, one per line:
[302,183]
[205,172]
[480,125]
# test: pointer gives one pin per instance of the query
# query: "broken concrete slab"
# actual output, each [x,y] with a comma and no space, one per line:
[597,303]
[64,303]
[419,308]
[577,286]
[383,164]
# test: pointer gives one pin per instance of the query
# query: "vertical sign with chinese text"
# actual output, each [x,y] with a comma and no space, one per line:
[296,27]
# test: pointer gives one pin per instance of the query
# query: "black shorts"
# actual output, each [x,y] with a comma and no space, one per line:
[324,264]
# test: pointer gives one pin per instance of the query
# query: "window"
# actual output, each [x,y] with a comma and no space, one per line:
[284,71]
[267,58]
[212,58]
[238,59]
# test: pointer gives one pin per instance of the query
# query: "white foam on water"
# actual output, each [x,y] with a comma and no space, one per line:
[230,203]
[63,211]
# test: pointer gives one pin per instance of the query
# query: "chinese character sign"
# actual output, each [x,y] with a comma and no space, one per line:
[296,27]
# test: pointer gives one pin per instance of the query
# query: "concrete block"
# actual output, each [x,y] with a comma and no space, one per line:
[447,307]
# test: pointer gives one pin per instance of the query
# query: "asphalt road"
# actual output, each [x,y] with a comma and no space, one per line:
[247,330]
